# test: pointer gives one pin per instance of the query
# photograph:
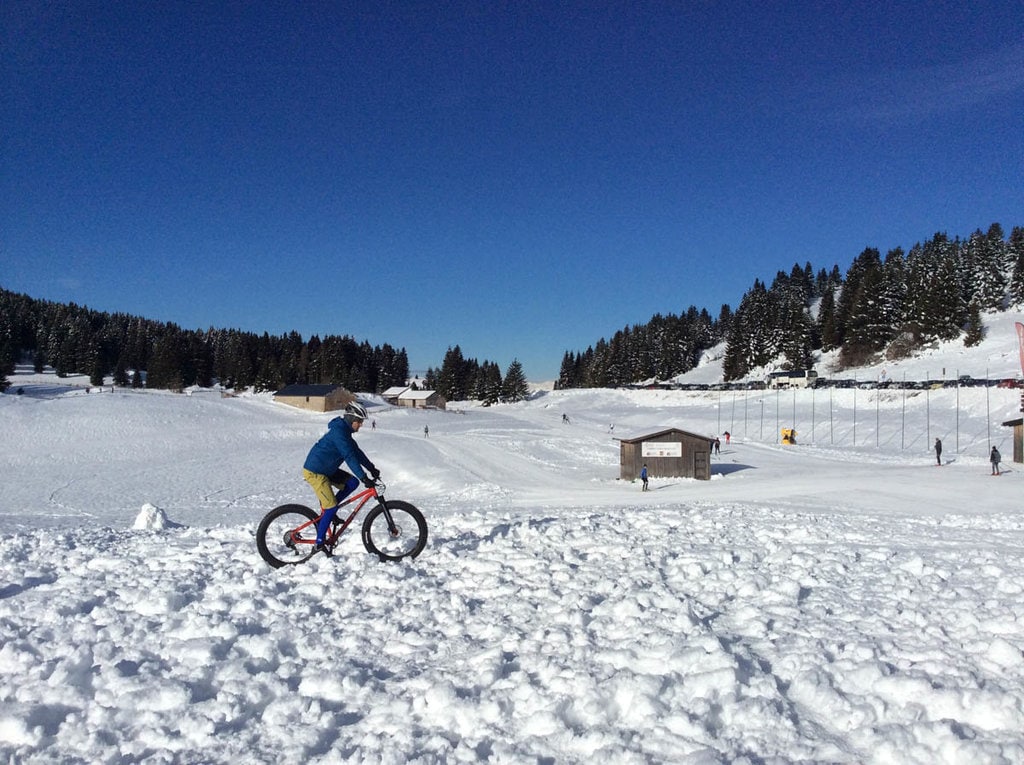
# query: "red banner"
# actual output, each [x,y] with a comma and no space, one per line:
[1020,337]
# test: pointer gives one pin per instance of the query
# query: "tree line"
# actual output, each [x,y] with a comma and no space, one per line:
[887,307]
[461,379]
[140,352]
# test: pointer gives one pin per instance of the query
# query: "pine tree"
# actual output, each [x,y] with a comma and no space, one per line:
[734,361]
[97,374]
[975,331]
[1015,255]
[983,271]
[868,261]
[166,362]
[795,330]
[753,335]
[827,320]
[948,311]
[797,337]
[868,325]
[596,368]
[724,323]
[514,388]
[568,373]
[489,382]
[893,292]
[121,373]
[451,380]
[934,307]
[7,363]
[617,369]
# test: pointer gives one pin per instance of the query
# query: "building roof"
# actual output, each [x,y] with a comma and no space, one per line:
[395,391]
[307,390]
[417,395]
[663,431]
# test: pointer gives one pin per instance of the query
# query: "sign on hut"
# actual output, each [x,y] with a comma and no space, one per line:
[668,453]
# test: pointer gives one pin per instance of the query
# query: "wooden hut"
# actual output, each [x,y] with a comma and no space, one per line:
[414,398]
[391,395]
[668,453]
[315,398]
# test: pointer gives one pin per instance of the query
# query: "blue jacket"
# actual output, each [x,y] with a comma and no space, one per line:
[337,446]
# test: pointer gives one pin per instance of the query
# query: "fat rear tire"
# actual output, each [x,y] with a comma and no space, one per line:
[278,542]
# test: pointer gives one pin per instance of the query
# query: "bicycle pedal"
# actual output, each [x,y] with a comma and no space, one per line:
[325,549]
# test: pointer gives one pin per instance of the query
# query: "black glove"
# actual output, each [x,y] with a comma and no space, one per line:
[369,482]
[373,473]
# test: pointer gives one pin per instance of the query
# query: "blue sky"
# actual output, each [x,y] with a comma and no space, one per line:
[519,179]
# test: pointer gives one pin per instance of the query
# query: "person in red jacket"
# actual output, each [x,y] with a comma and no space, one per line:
[322,469]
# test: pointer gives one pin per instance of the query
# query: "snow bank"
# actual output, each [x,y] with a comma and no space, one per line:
[687,634]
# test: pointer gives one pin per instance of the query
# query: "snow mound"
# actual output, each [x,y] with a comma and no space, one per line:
[152,518]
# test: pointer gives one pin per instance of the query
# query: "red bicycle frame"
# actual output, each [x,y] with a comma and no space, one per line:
[337,527]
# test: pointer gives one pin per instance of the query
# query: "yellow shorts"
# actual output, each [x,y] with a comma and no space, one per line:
[322,487]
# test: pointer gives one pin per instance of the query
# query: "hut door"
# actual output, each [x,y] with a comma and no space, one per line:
[702,466]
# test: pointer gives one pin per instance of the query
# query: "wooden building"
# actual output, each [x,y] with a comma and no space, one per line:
[1018,438]
[423,399]
[668,453]
[415,399]
[315,398]
[391,395]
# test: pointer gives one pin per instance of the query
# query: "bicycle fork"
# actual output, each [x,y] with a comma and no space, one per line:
[393,529]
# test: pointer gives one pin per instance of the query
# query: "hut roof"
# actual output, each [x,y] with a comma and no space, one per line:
[635,439]
[307,390]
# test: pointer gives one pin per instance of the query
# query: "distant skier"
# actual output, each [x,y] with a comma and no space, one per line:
[938,452]
[565,419]
[995,458]
[426,431]
[727,437]
[643,477]
[718,445]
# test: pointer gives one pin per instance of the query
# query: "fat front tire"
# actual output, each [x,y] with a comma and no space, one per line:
[286,535]
[406,540]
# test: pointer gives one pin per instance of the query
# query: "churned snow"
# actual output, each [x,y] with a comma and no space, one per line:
[841,600]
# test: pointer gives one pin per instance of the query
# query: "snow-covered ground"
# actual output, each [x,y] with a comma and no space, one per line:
[841,600]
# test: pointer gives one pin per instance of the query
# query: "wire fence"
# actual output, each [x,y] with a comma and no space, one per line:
[901,419]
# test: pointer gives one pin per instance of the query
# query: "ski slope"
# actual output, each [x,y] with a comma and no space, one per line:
[833,601]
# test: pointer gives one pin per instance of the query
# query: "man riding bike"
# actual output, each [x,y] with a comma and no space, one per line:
[322,469]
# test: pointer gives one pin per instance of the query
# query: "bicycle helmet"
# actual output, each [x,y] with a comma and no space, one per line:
[355,412]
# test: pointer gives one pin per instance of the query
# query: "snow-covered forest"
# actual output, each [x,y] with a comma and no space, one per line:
[887,307]
[883,307]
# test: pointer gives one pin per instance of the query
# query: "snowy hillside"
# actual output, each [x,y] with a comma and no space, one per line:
[996,358]
[841,600]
